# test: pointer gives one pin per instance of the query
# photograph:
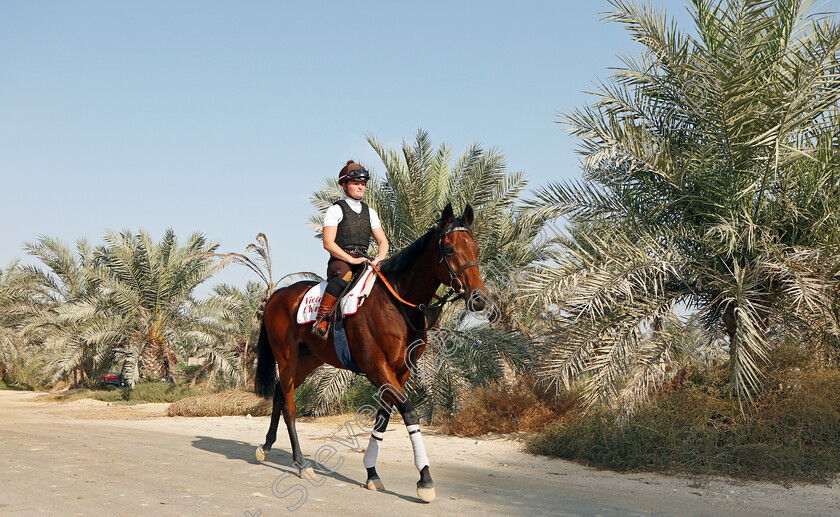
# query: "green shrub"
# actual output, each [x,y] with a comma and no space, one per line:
[360,393]
[158,392]
[305,395]
[26,370]
[144,392]
[12,386]
[106,396]
[189,372]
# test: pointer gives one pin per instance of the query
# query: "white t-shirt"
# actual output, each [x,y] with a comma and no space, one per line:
[334,215]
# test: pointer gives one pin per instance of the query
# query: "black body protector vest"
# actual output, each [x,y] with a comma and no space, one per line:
[354,232]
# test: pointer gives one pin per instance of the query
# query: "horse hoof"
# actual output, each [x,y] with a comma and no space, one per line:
[426,494]
[260,454]
[308,473]
[374,484]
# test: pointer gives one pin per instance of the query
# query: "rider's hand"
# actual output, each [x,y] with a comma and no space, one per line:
[358,260]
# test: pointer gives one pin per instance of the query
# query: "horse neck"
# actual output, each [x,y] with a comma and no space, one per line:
[419,282]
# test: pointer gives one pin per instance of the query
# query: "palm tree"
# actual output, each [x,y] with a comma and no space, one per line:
[147,290]
[241,312]
[18,360]
[710,183]
[260,264]
[60,312]
[230,321]
[16,286]
[417,182]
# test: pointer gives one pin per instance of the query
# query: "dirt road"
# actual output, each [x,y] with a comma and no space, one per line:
[89,458]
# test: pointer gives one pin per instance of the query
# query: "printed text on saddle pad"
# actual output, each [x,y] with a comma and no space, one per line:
[349,304]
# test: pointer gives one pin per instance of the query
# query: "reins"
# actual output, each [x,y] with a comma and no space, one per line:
[389,286]
[435,308]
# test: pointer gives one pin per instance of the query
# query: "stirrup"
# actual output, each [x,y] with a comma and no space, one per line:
[317,330]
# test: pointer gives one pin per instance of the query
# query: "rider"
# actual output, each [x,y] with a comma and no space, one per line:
[348,226]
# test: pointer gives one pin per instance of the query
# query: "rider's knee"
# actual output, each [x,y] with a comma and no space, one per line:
[336,286]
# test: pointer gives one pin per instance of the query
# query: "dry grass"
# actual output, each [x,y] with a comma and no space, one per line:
[791,434]
[226,403]
[508,409]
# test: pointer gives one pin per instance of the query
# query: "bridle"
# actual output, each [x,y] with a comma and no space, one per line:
[454,276]
[432,312]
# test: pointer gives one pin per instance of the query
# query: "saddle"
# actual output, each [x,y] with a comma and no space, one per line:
[357,292]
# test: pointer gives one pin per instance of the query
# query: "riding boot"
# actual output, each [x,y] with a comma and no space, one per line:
[322,323]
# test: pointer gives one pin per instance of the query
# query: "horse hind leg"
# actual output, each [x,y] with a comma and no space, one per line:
[283,403]
[276,409]
[266,382]
[305,469]
[306,363]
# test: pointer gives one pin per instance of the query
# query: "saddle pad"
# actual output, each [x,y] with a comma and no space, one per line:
[342,349]
[308,309]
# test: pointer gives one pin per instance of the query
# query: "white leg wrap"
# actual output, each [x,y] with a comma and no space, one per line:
[420,458]
[372,452]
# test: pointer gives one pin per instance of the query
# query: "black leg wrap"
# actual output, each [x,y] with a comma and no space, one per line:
[371,473]
[410,415]
[382,418]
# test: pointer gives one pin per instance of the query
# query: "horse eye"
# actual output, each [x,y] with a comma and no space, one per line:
[449,250]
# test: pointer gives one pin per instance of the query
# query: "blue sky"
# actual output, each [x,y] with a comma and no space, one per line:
[223,117]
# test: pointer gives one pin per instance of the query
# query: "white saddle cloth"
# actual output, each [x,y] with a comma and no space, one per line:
[351,302]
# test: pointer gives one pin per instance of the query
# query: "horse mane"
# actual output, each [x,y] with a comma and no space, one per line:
[405,257]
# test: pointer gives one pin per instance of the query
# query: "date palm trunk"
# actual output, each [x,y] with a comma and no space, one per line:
[157,360]
[153,363]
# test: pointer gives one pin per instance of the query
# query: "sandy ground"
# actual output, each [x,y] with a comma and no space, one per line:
[92,458]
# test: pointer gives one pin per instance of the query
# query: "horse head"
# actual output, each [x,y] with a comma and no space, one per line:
[458,258]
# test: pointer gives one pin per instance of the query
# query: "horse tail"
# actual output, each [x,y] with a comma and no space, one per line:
[266,376]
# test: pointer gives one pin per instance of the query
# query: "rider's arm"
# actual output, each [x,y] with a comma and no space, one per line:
[378,234]
[381,243]
[335,250]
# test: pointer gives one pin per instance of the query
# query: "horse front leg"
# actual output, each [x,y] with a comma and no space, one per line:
[425,486]
[372,453]
[391,393]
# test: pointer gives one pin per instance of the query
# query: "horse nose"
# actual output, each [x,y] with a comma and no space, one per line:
[492,314]
[476,302]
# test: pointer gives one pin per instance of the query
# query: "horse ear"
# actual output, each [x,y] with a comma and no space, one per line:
[468,215]
[447,215]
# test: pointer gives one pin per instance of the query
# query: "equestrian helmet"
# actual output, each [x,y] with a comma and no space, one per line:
[352,171]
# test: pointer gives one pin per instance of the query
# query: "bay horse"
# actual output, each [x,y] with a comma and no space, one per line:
[379,336]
